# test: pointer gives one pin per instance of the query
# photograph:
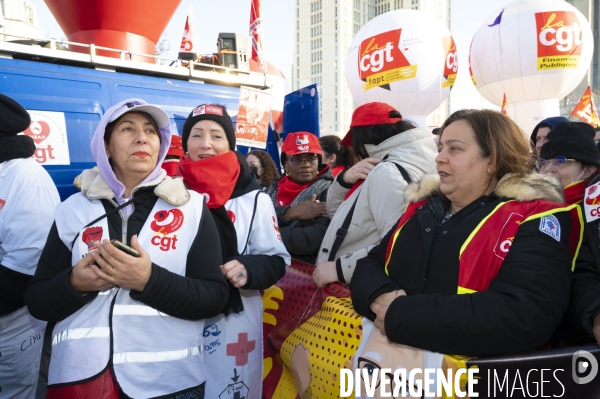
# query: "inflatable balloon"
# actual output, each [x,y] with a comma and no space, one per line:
[405,58]
[535,52]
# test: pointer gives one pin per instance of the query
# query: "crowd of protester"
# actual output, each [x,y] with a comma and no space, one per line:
[474,234]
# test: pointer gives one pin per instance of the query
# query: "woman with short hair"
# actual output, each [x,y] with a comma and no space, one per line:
[130,320]
[480,262]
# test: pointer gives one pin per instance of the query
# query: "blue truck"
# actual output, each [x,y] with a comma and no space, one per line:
[82,87]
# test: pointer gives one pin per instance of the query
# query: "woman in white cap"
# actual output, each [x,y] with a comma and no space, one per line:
[130,320]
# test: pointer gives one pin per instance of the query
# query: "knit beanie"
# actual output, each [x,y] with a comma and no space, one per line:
[572,140]
[14,119]
[217,113]
[548,122]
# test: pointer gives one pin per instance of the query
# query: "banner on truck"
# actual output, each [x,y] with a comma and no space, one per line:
[252,126]
[49,132]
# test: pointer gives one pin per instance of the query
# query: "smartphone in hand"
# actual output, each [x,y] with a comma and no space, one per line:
[125,248]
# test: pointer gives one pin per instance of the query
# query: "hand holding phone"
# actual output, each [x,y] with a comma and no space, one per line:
[125,248]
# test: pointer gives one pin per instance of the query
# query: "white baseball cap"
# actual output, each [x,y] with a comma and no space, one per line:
[136,104]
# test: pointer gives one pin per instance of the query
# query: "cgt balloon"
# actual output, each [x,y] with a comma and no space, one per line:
[405,58]
[535,52]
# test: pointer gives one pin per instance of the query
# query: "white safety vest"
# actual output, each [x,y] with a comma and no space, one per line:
[152,353]
[234,343]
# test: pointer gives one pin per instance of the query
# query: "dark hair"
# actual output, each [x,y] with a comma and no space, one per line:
[110,127]
[270,171]
[344,155]
[499,138]
[376,134]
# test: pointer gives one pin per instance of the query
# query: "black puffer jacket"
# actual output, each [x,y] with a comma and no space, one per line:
[302,238]
[585,289]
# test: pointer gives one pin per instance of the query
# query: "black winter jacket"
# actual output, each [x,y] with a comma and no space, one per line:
[520,310]
[585,289]
[200,294]
[302,238]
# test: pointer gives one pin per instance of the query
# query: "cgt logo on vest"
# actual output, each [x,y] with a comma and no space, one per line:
[592,202]
[381,61]
[559,39]
[165,223]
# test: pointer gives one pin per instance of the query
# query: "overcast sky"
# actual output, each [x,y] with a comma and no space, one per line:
[212,17]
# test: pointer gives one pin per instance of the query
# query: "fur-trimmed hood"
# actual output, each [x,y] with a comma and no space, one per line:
[172,190]
[520,187]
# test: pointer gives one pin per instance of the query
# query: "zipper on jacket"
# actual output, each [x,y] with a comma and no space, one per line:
[123,223]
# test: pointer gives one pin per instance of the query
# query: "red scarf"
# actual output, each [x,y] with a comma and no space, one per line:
[336,170]
[287,190]
[354,187]
[575,192]
[213,177]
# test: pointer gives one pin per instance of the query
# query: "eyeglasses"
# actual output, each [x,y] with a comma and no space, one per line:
[256,165]
[371,366]
[558,163]
[297,161]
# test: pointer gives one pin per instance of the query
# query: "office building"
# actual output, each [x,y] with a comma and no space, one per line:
[324,31]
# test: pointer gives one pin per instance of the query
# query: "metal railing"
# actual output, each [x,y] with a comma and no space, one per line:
[192,70]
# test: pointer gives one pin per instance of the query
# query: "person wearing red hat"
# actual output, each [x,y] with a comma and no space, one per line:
[174,154]
[364,200]
[299,196]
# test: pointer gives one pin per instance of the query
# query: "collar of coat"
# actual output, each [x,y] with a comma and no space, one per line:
[516,186]
[171,190]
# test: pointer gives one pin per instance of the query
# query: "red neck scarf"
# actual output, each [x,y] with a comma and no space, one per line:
[213,177]
[575,192]
[287,190]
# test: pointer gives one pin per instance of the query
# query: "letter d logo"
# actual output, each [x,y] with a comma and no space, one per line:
[582,366]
